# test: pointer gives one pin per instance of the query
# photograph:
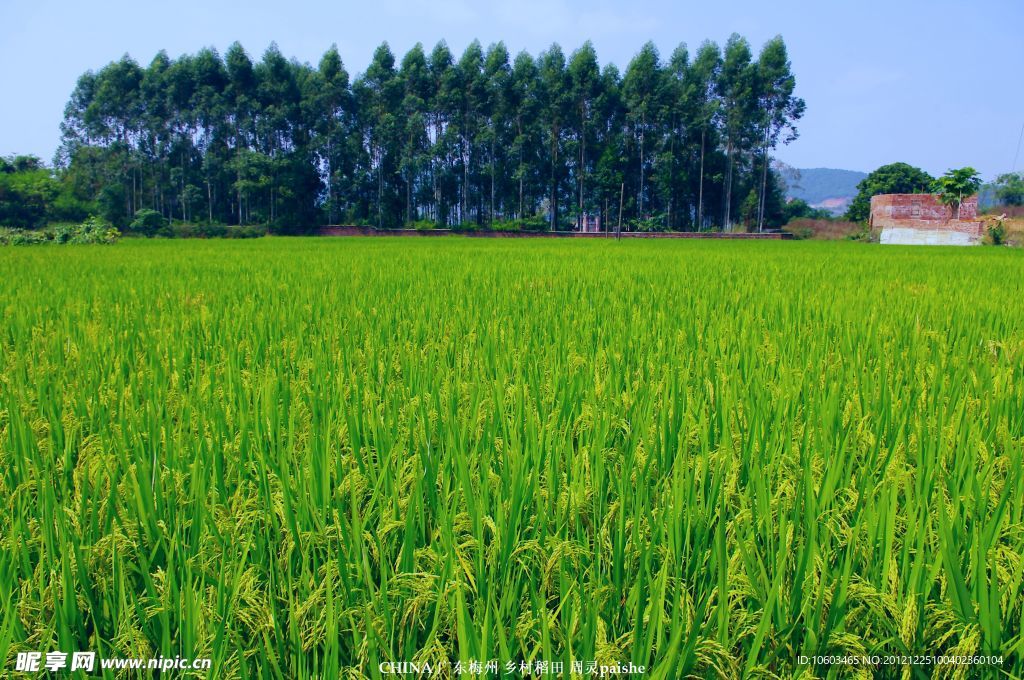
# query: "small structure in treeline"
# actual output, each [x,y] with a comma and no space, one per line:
[589,223]
[922,219]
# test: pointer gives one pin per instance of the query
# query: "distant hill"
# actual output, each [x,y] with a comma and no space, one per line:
[823,187]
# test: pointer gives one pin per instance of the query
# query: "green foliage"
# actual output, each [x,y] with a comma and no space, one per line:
[178,230]
[896,178]
[466,141]
[995,233]
[652,223]
[27,191]
[148,222]
[800,231]
[13,236]
[533,223]
[798,208]
[93,230]
[955,186]
[302,457]
[773,207]
[423,225]
[1010,188]
[863,234]
[505,225]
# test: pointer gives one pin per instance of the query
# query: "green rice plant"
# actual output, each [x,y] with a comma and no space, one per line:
[305,458]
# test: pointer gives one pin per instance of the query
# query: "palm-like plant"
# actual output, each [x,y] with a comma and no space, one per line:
[954,185]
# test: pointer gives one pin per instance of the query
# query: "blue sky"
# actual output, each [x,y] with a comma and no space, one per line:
[938,84]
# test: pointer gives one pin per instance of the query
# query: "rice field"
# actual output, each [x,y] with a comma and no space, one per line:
[307,458]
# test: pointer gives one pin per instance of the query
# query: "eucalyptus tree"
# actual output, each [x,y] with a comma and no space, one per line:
[472,92]
[241,96]
[677,116]
[416,88]
[155,135]
[290,145]
[524,106]
[277,93]
[116,114]
[643,90]
[443,106]
[180,92]
[328,106]
[736,87]
[209,113]
[611,164]
[496,108]
[585,83]
[379,93]
[555,110]
[779,109]
[701,89]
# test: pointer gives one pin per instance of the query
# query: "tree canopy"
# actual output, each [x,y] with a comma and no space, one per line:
[955,186]
[1010,188]
[895,178]
[31,195]
[453,140]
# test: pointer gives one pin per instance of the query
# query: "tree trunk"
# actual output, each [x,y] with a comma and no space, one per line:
[727,221]
[553,207]
[583,160]
[700,190]
[238,175]
[380,188]
[622,195]
[519,134]
[184,216]
[330,183]
[764,181]
[491,216]
[671,176]
[640,209]
[464,217]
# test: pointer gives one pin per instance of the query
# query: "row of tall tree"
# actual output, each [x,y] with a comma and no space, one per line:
[677,143]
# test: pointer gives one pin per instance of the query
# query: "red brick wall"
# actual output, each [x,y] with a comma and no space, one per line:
[918,208]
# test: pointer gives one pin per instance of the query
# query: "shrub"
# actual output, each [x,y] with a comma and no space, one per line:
[506,225]
[214,231]
[424,225]
[10,236]
[534,223]
[996,233]
[92,230]
[148,222]
[244,231]
[182,231]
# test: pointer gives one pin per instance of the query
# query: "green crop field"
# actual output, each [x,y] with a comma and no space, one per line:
[305,458]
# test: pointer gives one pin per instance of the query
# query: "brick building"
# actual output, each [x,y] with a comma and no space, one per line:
[921,219]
